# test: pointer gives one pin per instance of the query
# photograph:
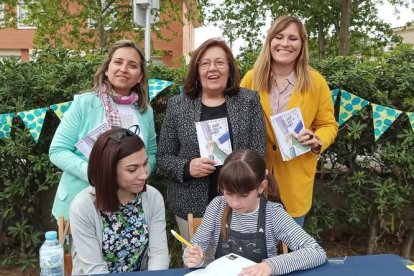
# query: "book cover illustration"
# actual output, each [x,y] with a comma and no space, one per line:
[214,139]
[85,144]
[287,126]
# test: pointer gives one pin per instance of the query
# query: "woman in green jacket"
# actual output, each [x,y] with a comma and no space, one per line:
[119,98]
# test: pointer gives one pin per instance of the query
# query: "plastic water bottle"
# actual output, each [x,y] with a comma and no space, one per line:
[51,256]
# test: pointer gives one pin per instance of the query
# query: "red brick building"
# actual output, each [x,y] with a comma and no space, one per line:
[18,41]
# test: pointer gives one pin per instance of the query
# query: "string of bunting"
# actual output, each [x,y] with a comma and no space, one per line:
[382,116]
[349,105]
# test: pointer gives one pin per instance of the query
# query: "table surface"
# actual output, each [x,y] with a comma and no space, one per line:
[369,265]
[375,265]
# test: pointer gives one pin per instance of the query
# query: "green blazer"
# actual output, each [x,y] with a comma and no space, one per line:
[84,115]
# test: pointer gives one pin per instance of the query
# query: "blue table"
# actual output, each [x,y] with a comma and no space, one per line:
[369,265]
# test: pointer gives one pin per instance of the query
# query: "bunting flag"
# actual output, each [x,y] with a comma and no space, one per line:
[34,119]
[5,124]
[383,117]
[155,86]
[60,108]
[411,118]
[334,95]
[349,106]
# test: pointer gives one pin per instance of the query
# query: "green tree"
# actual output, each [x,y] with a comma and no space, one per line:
[334,27]
[86,24]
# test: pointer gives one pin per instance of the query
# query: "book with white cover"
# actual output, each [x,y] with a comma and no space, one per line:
[286,126]
[85,144]
[228,265]
[214,139]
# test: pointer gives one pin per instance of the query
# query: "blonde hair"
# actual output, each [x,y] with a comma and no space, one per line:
[101,80]
[262,66]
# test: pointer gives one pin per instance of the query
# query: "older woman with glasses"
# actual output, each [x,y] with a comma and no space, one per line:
[118,224]
[119,98]
[211,91]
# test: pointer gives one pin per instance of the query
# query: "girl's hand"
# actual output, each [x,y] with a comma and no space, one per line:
[193,257]
[200,167]
[262,269]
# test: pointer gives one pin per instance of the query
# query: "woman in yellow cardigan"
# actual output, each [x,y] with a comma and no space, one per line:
[284,80]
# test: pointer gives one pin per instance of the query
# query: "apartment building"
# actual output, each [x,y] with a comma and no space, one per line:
[18,41]
[406,33]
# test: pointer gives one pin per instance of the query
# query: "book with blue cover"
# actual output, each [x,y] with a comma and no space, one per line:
[214,139]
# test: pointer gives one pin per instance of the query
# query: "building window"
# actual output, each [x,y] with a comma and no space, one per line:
[1,15]
[22,13]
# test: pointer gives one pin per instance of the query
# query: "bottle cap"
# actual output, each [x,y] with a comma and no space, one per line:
[51,235]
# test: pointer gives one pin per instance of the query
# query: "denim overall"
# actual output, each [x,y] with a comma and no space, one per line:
[249,245]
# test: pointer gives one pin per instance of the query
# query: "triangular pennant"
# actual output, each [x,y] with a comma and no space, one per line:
[349,105]
[156,86]
[60,108]
[334,94]
[34,119]
[5,124]
[411,118]
[383,117]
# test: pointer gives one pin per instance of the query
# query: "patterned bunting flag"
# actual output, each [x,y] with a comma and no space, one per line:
[156,86]
[5,124]
[34,119]
[334,94]
[60,108]
[411,118]
[383,117]
[349,105]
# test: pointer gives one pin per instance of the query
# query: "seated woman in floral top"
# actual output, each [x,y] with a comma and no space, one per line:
[118,224]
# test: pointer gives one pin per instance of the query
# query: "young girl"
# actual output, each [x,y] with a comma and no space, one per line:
[250,225]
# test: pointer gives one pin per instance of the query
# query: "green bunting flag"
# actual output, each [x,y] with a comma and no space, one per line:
[334,95]
[5,124]
[155,86]
[34,119]
[60,108]
[383,117]
[411,118]
[349,105]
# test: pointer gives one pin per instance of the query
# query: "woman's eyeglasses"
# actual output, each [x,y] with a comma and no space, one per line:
[121,134]
[218,63]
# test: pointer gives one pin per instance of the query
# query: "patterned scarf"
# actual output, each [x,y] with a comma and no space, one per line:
[110,99]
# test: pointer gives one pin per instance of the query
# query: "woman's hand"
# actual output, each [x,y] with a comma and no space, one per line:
[200,167]
[193,257]
[262,269]
[307,138]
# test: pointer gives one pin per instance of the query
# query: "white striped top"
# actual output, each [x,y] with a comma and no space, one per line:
[306,252]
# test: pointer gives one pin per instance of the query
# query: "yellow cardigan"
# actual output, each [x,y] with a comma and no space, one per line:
[295,178]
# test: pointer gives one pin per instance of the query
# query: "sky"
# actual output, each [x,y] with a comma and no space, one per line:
[385,13]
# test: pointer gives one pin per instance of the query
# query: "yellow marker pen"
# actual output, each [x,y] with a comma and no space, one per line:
[181,239]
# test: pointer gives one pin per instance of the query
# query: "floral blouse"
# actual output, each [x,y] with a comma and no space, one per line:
[125,237]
